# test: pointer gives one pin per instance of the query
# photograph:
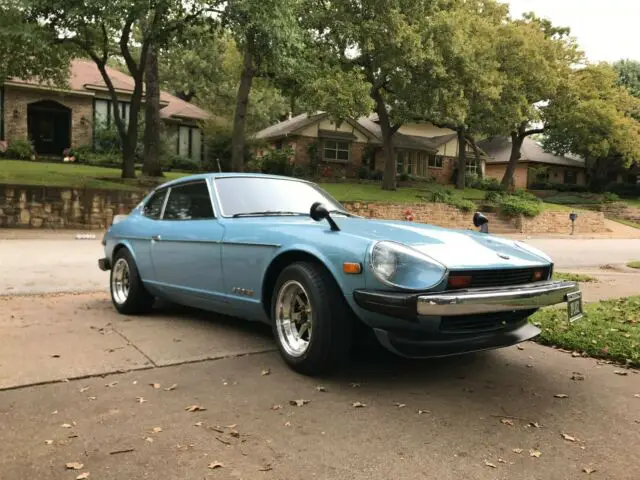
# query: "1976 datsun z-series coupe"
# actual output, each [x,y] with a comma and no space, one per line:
[282,251]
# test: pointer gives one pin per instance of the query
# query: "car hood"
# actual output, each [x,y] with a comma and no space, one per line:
[456,249]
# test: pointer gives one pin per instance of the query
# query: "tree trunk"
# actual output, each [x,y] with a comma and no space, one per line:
[389,176]
[462,158]
[152,125]
[516,144]
[240,116]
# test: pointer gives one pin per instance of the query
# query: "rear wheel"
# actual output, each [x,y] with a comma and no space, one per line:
[311,321]
[127,291]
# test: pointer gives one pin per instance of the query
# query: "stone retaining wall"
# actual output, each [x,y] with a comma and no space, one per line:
[53,207]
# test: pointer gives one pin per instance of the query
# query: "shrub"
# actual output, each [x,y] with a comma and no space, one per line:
[184,164]
[610,197]
[20,149]
[363,173]
[450,198]
[561,187]
[403,177]
[274,162]
[472,180]
[494,197]
[512,206]
[376,175]
[111,160]
[106,139]
[521,193]
[624,189]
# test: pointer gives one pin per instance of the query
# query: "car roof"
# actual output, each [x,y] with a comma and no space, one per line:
[205,176]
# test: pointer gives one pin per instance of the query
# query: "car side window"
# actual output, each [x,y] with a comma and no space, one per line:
[189,202]
[153,207]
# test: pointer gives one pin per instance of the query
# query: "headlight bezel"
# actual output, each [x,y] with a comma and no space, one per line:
[403,249]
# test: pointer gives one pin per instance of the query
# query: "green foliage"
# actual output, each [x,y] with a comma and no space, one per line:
[274,162]
[629,75]
[106,139]
[181,164]
[625,190]
[473,180]
[107,160]
[451,198]
[525,195]
[494,196]
[610,197]
[608,330]
[574,277]
[634,264]
[512,206]
[20,149]
[218,136]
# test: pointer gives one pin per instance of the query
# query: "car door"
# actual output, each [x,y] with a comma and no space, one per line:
[185,250]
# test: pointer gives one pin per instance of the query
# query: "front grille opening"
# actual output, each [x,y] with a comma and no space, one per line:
[497,278]
[484,322]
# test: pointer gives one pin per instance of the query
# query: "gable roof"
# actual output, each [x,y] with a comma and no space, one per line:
[499,148]
[293,125]
[84,77]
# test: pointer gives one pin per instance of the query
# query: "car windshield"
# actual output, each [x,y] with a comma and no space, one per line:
[255,196]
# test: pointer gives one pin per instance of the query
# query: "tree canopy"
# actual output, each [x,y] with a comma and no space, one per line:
[629,75]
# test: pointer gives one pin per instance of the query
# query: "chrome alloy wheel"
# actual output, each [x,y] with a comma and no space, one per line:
[120,281]
[293,318]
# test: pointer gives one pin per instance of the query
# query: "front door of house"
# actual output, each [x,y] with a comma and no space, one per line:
[49,127]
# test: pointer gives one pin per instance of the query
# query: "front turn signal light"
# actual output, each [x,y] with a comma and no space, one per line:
[351,268]
[459,281]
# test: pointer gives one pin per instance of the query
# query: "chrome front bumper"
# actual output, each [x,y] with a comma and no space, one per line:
[490,300]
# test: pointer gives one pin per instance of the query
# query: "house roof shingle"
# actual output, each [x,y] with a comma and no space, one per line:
[85,77]
[499,148]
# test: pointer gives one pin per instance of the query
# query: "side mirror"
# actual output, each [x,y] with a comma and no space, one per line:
[482,222]
[319,212]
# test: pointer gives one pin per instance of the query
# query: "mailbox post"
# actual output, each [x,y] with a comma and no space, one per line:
[482,222]
[573,216]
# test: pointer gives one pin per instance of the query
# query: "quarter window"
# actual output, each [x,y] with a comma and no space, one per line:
[335,151]
[189,202]
[153,207]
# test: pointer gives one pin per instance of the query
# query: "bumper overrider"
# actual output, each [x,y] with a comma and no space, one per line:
[104,264]
[425,315]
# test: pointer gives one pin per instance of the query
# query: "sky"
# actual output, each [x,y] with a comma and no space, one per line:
[607,30]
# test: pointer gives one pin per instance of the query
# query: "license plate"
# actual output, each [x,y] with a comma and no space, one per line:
[574,306]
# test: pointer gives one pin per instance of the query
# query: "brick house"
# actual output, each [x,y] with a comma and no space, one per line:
[422,150]
[534,166]
[56,118]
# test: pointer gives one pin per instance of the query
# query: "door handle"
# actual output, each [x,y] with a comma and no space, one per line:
[156,238]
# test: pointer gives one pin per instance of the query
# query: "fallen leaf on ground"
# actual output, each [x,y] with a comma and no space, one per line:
[266,371]
[92,398]
[506,421]
[73,466]
[517,450]
[561,395]
[399,405]
[535,453]
[576,354]
[156,429]
[534,425]
[588,470]
[49,442]
[55,412]
[172,387]
[84,389]
[195,408]
[155,385]
[55,355]
[197,424]
[140,400]
[420,412]
[501,460]
[265,468]
[577,376]
[215,465]
[358,405]
[287,424]
[82,476]
[232,426]
[519,347]
[623,373]
[568,437]
[529,365]
[148,439]
[112,384]
[298,403]
[637,395]
[135,382]
[66,425]
[320,388]
[354,385]
[276,407]
[489,464]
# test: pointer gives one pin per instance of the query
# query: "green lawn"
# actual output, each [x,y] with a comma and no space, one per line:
[66,175]
[634,264]
[609,329]
[357,192]
[573,277]
[624,221]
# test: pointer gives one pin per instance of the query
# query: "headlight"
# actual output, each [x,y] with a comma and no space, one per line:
[400,266]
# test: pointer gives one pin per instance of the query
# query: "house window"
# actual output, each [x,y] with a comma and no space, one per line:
[570,177]
[104,115]
[435,161]
[335,151]
[400,162]
[413,163]
[189,143]
[472,166]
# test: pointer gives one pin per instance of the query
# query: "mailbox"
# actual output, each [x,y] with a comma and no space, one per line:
[573,217]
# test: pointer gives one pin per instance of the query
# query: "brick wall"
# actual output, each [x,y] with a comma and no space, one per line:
[621,210]
[52,207]
[17,99]
[520,175]
[558,222]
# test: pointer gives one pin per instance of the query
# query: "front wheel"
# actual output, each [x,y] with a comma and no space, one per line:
[311,319]
[127,291]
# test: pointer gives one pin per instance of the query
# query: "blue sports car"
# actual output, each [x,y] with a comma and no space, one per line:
[282,251]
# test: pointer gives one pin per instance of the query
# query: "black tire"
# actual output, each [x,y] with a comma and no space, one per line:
[331,322]
[138,300]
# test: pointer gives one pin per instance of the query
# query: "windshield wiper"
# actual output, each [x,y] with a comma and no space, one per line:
[266,213]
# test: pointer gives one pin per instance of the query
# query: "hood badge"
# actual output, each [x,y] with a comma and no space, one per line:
[504,256]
